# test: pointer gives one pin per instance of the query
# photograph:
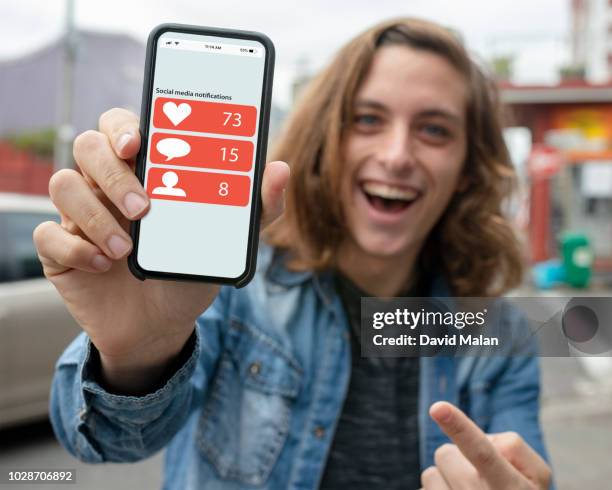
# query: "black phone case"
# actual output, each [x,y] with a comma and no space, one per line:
[260,155]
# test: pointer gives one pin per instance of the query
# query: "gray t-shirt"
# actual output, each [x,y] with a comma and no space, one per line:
[376,444]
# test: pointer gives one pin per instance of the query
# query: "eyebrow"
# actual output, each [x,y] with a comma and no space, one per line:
[433,112]
[373,104]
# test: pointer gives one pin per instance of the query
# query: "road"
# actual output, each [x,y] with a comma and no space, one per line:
[576,415]
[34,446]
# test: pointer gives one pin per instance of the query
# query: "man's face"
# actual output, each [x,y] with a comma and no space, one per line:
[404,151]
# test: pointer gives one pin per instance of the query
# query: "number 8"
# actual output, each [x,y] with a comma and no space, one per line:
[223,189]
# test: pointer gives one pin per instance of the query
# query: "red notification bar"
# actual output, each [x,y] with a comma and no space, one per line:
[204,117]
[198,151]
[200,187]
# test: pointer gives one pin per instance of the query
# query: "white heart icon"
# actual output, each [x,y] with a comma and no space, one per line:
[176,114]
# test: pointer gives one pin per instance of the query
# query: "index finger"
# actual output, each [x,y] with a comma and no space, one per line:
[121,127]
[474,445]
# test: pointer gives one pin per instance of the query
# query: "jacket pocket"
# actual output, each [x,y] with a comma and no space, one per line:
[246,415]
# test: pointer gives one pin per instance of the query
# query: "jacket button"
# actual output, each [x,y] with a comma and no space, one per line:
[255,368]
[319,432]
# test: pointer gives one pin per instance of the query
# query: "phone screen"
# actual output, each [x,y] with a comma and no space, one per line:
[202,148]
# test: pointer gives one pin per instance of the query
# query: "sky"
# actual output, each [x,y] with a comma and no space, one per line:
[536,32]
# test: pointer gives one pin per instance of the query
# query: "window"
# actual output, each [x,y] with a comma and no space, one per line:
[18,258]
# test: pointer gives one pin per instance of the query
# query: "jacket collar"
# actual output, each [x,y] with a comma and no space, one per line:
[323,282]
[279,274]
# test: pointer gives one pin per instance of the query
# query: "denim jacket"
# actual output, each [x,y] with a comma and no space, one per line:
[257,402]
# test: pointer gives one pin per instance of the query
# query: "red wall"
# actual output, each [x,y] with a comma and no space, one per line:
[23,172]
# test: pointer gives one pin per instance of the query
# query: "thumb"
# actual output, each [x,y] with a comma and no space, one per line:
[275,179]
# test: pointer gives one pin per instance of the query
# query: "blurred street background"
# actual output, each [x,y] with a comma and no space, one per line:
[63,63]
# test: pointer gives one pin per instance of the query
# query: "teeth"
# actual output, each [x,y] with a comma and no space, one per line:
[389,192]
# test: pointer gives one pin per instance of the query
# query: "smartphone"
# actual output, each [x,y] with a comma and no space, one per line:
[204,126]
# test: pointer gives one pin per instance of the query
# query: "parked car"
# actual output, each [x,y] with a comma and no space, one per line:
[35,326]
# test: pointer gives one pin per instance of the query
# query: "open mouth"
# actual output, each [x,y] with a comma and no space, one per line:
[388,199]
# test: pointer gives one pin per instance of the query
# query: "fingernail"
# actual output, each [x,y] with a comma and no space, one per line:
[123,141]
[101,263]
[118,246]
[134,203]
[443,412]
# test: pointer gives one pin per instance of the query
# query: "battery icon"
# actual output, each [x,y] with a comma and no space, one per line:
[251,50]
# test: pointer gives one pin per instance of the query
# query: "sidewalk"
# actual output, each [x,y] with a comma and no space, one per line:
[577,424]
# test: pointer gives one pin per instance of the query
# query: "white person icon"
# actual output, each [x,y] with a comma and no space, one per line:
[169,179]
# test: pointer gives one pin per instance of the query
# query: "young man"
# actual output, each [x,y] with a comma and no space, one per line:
[398,174]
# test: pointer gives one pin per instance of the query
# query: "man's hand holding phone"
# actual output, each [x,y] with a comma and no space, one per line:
[137,326]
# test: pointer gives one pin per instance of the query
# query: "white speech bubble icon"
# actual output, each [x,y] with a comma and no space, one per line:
[173,148]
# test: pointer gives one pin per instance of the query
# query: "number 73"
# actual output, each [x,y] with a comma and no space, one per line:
[235,117]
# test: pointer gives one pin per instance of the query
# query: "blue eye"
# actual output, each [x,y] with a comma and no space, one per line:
[436,130]
[367,119]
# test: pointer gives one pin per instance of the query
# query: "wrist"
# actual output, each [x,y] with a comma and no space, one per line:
[143,371]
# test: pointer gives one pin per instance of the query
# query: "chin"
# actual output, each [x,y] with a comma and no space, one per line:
[383,246]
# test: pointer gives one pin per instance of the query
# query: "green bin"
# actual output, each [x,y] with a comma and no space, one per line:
[577,259]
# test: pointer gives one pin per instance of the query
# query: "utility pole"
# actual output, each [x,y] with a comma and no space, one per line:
[65,131]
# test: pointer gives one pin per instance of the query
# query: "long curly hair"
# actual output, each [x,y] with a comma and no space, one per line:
[473,244]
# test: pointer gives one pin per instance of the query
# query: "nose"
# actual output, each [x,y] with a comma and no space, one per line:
[397,155]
